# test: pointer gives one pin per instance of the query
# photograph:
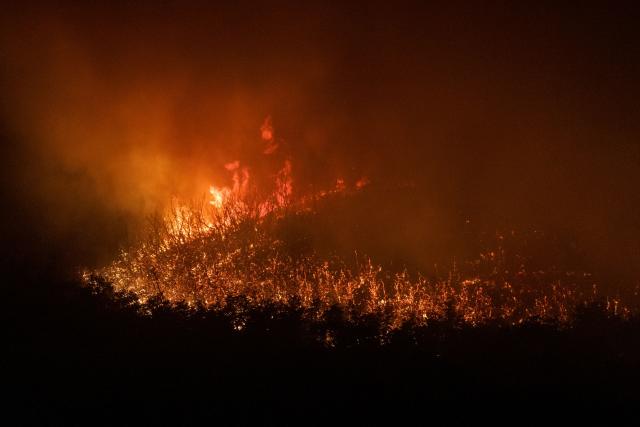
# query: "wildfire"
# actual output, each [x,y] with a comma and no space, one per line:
[206,254]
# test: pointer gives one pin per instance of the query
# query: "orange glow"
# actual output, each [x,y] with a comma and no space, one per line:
[267,135]
[206,254]
[231,166]
[266,130]
[218,196]
[284,184]
[362,182]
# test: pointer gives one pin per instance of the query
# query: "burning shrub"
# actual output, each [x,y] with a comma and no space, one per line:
[239,245]
[207,255]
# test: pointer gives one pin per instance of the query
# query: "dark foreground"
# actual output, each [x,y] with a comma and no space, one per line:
[77,357]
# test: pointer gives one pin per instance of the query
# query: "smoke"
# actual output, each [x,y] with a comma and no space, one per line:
[500,116]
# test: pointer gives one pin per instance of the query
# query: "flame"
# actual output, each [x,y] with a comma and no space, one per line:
[218,196]
[240,178]
[267,135]
[284,185]
[206,254]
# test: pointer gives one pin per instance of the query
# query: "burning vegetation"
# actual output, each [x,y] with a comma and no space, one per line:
[237,243]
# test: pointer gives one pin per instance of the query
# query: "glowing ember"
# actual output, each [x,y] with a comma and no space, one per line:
[205,254]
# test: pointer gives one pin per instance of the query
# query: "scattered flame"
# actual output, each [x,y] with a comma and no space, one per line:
[205,254]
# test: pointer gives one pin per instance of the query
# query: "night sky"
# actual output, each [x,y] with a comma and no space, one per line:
[516,114]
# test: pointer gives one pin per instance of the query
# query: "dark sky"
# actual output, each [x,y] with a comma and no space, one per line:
[502,112]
